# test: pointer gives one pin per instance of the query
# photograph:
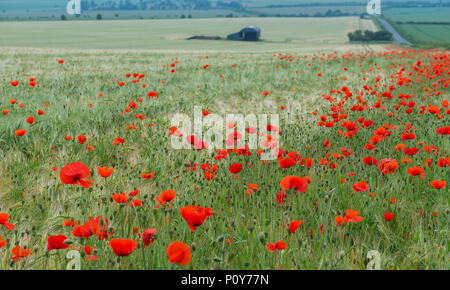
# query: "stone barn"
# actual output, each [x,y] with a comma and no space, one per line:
[249,33]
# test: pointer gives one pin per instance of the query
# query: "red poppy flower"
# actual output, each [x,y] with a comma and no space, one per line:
[166,196]
[195,215]
[438,184]
[179,252]
[120,197]
[286,163]
[388,166]
[443,131]
[81,139]
[19,253]
[196,142]
[123,247]
[148,236]
[416,170]
[299,184]
[136,202]
[252,188]
[75,173]
[352,216]
[293,226]
[4,217]
[88,250]
[56,243]
[97,226]
[20,132]
[209,175]
[148,176]
[370,161]
[235,168]
[105,172]
[2,242]
[339,219]
[388,216]
[152,94]
[118,141]
[175,132]
[70,223]
[411,151]
[443,162]
[360,186]
[408,136]
[280,245]
[271,247]
[30,120]
[134,192]
[281,196]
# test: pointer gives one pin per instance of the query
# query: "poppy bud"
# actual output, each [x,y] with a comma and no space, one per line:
[262,237]
[220,239]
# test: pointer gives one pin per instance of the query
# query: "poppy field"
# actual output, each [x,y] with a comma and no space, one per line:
[361,160]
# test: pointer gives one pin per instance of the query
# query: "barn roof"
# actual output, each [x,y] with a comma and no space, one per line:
[251,27]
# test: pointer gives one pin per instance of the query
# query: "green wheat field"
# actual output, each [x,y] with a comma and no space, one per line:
[361,163]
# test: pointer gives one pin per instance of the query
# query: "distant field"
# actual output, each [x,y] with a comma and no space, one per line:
[55,14]
[53,9]
[45,4]
[418,14]
[259,3]
[420,33]
[310,10]
[277,33]
[433,34]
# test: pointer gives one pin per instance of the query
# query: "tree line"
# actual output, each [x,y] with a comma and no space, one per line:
[159,5]
[368,35]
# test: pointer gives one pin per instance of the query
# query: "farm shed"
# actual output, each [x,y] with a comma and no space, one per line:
[249,33]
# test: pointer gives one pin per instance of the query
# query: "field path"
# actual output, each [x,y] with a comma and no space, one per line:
[397,37]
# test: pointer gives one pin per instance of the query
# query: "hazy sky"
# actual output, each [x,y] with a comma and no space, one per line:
[45,4]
